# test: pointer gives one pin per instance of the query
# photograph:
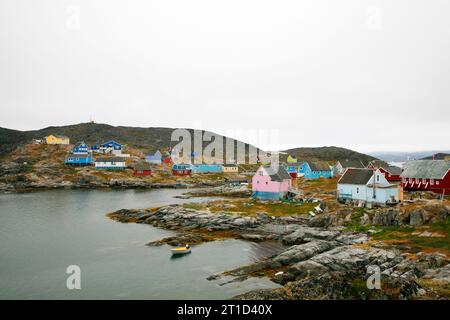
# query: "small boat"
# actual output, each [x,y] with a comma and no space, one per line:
[181,250]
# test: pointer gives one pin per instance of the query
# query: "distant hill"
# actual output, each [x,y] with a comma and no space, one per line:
[328,154]
[437,156]
[405,156]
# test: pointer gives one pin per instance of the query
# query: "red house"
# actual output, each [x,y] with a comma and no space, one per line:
[391,173]
[181,169]
[142,169]
[427,175]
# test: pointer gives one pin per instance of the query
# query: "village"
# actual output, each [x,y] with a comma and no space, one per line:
[372,184]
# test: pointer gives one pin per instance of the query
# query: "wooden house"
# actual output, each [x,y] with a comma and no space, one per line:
[206,168]
[427,175]
[78,159]
[116,163]
[230,168]
[316,170]
[271,184]
[391,173]
[57,139]
[341,165]
[155,158]
[111,146]
[142,169]
[366,185]
[181,169]
[291,159]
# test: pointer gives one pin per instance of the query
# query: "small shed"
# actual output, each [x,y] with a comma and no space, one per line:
[142,169]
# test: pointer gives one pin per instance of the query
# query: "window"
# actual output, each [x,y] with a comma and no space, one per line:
[267,182]
[417,180]
[424,180]
[357,190]
[431,181]
[437,182]
[378,177]
[261,173]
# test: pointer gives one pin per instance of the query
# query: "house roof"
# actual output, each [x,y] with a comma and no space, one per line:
[356,176]
[432,169]
[229,165]
[379,163]
[57,136]
[393,170]
[279,175]
[110,142]
[141,166]
[319,166]
[110,159]
[352,164]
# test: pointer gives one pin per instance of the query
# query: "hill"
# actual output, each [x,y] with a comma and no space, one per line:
[437,156]
[149,140]
[145,139]
[327,154]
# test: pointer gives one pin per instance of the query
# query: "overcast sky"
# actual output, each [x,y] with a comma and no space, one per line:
[367,75]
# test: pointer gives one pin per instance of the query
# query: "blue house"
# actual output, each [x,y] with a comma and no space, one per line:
[155,158]
[79,155]
[206,168]
[80,159]
[80,147]
[111,146]
[316,170]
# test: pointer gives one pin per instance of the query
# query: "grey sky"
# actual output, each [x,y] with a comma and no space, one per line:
[368,75]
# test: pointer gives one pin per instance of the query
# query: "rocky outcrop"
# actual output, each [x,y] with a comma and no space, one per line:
[338,285]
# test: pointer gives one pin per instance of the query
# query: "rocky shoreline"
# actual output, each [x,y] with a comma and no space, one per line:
[318,262]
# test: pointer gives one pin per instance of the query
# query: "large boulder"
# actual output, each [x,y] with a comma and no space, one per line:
[416,217]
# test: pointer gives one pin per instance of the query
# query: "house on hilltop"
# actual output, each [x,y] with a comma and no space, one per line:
[142,169]
[155,158]
[116,163]
[57,139]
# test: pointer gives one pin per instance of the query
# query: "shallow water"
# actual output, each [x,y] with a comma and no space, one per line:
[42,233]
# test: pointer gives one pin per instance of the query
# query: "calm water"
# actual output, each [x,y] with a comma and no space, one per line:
[42,233]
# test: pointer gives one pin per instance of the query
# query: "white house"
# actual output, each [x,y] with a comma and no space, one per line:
[110,163]
[358,184]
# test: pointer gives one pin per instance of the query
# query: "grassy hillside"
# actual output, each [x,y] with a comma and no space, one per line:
[148,140]
[145,139]
[327,154]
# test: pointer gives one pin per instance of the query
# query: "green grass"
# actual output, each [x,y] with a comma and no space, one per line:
[250,207]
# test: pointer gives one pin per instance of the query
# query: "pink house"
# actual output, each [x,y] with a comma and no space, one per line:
[269,183]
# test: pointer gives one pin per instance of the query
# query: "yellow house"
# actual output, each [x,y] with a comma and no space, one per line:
[291,159]
[56,139]
[230,168]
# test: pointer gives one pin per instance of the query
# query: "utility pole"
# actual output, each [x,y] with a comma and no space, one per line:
[374,193]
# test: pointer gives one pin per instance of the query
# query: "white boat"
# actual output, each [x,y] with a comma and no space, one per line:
[180,250]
